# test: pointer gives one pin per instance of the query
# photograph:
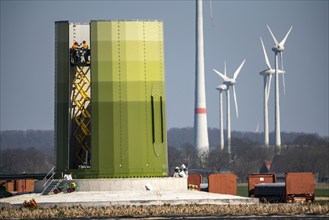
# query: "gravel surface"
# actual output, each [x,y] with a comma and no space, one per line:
[170,211]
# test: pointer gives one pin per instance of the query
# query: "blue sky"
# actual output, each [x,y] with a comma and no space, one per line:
[232,34]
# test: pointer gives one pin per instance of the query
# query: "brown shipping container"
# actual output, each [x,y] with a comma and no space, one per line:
[195,180]
[10,186]
[25,185]
[29,185]
[19,186]
[257,178]
[222,183]
[300,185]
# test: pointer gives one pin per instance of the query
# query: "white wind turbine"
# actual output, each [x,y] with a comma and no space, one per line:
[230,82]
[221,88]
[278,49]
[267,75]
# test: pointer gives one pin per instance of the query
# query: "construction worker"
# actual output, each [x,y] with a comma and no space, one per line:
[75,46]
[74,50]
[86,52]
[85,45]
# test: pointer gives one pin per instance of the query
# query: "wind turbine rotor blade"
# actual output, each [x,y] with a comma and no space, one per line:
[275,40]
[269,87]
[211,15]
[257,128]
[285,38]
[283,79]
[225,67]
[225,78]
[238,70]
[281,59]
[265,55]
[236,103]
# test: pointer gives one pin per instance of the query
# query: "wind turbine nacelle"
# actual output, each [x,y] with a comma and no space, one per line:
[268,72]
[221,87]
[278,49]
[230,82]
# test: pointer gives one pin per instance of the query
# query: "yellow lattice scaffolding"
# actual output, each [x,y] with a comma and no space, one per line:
[80,113]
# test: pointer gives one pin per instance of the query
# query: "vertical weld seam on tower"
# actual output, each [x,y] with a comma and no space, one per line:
[146,98]
[161,57]
[120,90]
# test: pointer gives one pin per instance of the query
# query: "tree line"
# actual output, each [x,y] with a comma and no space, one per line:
[33,152]
[301,152]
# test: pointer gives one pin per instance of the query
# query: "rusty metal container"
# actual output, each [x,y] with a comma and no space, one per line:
[24,185]
[19,186]
[300,187]
[29,185]
[10,186]
[222,183]
[194,181]
[257,178]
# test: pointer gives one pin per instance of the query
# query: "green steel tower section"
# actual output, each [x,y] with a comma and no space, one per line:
[62,76]
[128,120]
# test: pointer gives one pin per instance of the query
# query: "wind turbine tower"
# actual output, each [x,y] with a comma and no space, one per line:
[267,75]
[221,88]
[278,49]
[201,141]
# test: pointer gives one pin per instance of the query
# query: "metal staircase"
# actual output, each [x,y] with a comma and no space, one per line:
[50,183]
[52,186]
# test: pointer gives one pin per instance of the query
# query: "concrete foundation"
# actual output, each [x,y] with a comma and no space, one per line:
[132,184]
[130,191]
[125,184]
[103,199]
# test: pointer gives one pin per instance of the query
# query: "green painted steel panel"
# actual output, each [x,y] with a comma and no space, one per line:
[61,94]
[127,68]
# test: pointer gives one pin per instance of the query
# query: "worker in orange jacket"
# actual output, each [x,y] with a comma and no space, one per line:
[74,48]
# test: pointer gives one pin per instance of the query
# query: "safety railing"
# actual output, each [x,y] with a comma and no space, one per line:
[48,179]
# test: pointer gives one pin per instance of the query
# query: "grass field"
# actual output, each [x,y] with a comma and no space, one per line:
[242,190]
[321,189]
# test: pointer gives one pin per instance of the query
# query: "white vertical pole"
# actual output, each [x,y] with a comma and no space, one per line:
[200,117]
[221,120]
[266,132]
[228,121]
[277,108]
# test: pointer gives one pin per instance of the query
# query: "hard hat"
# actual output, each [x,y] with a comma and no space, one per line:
[183,166]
